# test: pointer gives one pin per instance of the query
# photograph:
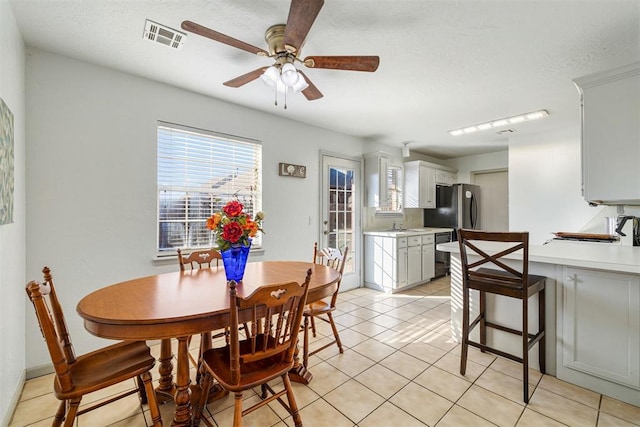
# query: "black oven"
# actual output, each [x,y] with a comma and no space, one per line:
[442,259]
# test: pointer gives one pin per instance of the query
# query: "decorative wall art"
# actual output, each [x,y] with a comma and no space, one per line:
[6,164]
[287,169]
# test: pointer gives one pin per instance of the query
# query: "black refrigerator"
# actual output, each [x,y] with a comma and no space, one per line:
[457,206]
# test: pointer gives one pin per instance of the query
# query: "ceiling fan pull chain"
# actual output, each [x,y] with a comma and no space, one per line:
[285,97]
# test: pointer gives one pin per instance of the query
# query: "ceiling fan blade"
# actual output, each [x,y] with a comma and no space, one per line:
[222,38]
[352,63]
[302,13]
[311,93]
[245,78]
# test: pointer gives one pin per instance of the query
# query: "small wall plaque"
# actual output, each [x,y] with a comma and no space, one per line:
[287,169]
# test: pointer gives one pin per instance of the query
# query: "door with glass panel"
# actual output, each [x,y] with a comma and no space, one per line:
[340,213]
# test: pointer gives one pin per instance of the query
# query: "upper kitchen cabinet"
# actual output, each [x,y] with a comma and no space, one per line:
[445,177]
[611,135]
[420,179]
[383,182]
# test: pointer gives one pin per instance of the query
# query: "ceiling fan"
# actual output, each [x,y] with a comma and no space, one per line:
[285,42]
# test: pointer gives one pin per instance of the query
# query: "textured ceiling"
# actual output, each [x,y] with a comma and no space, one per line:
[443,64]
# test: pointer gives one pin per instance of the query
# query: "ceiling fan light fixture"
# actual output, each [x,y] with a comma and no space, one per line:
[271,76]
[289,75]
[300,85]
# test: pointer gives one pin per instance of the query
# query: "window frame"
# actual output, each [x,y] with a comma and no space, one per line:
[393,189]
[187,165]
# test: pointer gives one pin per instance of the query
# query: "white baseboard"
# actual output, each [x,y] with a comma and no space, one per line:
[13,403]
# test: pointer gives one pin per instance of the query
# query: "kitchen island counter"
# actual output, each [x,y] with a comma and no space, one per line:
[602,256]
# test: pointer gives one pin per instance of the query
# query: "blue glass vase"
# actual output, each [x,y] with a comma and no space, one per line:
[235,260]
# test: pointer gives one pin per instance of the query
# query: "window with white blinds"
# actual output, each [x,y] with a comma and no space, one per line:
[394,199]
[199,171]
[394,183]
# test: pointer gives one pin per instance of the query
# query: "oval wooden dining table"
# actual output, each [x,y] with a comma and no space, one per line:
[181,304]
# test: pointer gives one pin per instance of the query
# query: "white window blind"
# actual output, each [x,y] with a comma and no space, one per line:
[199,171]
[394,191]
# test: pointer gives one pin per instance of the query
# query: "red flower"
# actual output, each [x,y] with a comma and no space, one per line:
[232,231]
[233,208]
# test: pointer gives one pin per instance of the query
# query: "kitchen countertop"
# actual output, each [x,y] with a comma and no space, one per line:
[407,232]
[601,256]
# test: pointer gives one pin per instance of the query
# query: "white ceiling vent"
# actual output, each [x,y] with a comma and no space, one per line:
[163,35]
[500,132]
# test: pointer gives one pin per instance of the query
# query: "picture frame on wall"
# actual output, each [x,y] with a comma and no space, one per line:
[6,164]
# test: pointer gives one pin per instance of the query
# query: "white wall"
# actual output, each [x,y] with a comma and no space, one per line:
[91,182]
[12,236]
[544,184]
[468,165]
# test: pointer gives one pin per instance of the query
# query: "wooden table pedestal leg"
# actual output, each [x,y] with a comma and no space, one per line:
[299,373]
[166,387]
[182,415]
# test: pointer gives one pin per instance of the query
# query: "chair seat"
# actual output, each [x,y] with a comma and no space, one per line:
[494,281]
[318,307]
[107,366]
[253,373]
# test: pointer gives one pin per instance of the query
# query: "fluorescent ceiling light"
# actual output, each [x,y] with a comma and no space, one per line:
[500,122]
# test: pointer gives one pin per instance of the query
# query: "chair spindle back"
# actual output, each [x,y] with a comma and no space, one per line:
[53,328]
[275,313]
[199,258]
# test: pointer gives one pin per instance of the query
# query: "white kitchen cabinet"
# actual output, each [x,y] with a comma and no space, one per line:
[428,253]
[414,260]
[402,264]
[396,262]
[419,185]
[385,266]
[611,135]
[599,319]
[420,179]
[445,177]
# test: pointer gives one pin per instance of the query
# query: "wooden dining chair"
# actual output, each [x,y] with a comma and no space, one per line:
[76,376]
[199,259]
[323,309]
[507,278]
[274,313]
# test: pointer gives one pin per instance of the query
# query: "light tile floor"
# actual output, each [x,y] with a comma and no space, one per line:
[399,368]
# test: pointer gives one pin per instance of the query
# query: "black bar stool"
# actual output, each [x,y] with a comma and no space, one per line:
[504,280]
